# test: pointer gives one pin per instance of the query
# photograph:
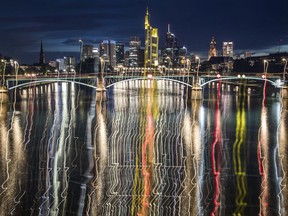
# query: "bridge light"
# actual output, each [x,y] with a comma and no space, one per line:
[150,76]
[239,76]
[263,76]
[218,75]
[279,82]
[243,76]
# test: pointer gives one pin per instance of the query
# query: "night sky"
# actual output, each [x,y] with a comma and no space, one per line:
[260,26]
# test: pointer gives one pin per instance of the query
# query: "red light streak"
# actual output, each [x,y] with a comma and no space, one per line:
[215,168]
[147,153]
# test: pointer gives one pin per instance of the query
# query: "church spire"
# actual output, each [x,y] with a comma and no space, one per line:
[41,57]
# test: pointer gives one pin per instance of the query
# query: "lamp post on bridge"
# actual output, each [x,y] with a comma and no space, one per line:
[4,96]
[197,72]
[81,53]
[265,68]
[284,88]
[284,71]
[196,93]
[101,90]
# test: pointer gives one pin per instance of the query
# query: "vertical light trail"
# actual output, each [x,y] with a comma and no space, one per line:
[215,158]
[281,156]
[239,168]
[100,157]
[192,141]
[147,156]
[263,142]
[13,156]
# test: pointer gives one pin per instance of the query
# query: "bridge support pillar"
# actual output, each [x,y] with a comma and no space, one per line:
[4,95]
[196,93]
[101,93]
[284,92]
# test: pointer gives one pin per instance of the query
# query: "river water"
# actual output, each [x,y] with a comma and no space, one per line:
[148,150]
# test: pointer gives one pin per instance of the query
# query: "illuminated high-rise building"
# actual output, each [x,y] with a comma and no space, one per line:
[170,54]
[227,49]
[134,47]
[171,41]
[108,53]
[151,43]
[213,50]
[120,51]
[69,64]
[87,52]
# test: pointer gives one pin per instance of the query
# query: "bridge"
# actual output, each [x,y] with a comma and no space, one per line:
[102,81]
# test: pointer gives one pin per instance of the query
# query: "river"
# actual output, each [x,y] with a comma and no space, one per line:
[147,150]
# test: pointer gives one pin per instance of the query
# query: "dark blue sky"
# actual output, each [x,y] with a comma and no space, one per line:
[260,26]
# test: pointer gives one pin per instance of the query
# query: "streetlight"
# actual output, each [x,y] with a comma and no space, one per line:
[188,63]
[16,65]
[197,58]
[81,48]
[284,72]
[265,68]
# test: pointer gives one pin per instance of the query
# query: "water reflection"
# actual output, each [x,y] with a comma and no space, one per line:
[13,160]
[281,158]
[147,151]
[239,161]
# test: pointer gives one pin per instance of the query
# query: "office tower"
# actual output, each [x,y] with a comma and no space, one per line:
[69,64]
[134,47]
[108,53]
[171,51]
[227,49]
[213,50]
[151,43]
[87,52]
[96,56]
[119,54]
[182,56]
[60,65]
[41,57]
[170,39]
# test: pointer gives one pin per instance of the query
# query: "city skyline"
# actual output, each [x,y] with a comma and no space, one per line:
[257,26]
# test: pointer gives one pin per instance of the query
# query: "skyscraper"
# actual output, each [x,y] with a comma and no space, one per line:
[108,53]
[134,47]
[227,49]
[151,43]
[171,48]
[87,52]
[213,50]
[120,54]
[170,39]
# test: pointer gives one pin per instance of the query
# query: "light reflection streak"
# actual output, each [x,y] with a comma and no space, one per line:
[147,155]
[192,139]
[100,159]
[282,157]
[12,162]
[263,141]
[215,155]
[239,167]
